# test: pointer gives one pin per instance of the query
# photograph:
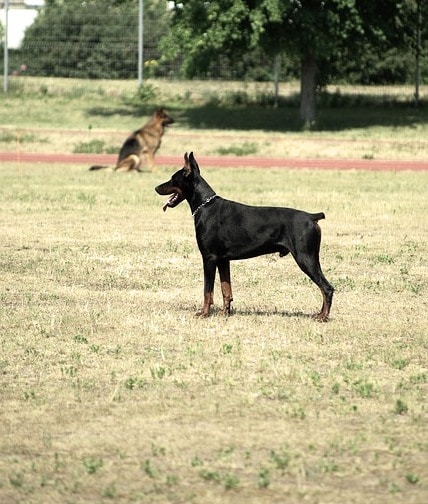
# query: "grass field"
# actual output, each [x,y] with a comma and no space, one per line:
[62,115]
[112,391]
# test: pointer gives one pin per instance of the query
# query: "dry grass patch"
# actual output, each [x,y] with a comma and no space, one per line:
[112,390]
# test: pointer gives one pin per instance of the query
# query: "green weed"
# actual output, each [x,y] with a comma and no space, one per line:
[364,388]
[158,372]
[400,363]
[133,382]
[385,258]
[110,491]
[92,464]
[91,147]
[196,462]
[231,481]
[20,138]
[263,479]
[246,149]
[79,338]
[146,92]
[401,407]
[413,479]
[281,459]
[226,348]
[210,475]
[335,388]
[148,469]
[17,480]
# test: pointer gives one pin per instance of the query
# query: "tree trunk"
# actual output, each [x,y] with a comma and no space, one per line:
[307,90]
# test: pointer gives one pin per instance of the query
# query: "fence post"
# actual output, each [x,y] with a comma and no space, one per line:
[140,42]
[6,49]
[418,50]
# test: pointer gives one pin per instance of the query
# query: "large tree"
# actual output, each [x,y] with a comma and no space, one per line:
[316,32]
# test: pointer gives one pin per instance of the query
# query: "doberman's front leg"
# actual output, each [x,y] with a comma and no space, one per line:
[226,287]
[209,278]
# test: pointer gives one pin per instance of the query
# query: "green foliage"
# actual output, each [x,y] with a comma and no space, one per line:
[96,39]
[346,38]
[321,36]
[146,93]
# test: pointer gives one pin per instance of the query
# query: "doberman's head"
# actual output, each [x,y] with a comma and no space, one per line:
[181,185]
[162,117]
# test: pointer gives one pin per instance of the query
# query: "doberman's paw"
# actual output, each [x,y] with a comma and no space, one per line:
[201,313]
[320,317]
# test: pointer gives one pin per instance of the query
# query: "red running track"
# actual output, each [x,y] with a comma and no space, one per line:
[225,161]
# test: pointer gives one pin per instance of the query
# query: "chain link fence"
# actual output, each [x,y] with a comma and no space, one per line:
[99,40]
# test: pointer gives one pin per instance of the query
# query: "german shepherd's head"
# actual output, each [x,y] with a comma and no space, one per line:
[162,117]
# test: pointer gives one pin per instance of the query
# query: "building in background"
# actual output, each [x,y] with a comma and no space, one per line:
[21,15]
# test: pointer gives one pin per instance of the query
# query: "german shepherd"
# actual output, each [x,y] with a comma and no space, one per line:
[146,140]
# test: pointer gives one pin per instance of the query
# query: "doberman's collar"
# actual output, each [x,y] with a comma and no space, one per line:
[204,203]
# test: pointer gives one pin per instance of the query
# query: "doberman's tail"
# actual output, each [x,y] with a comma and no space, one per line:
[317,216]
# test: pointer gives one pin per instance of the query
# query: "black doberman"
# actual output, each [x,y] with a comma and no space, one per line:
[226,230]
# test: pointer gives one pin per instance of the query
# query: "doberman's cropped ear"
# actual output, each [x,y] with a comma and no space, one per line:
[193,164]
[186,167]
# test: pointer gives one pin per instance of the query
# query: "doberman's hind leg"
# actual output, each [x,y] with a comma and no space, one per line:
[311,266]
[327,292]
[209,278]
[226,287]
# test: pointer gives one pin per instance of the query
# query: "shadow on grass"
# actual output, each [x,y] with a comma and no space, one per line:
[333,114]
[269,313]
[216,311]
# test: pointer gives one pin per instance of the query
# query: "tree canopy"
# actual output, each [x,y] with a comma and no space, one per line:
[320,34]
